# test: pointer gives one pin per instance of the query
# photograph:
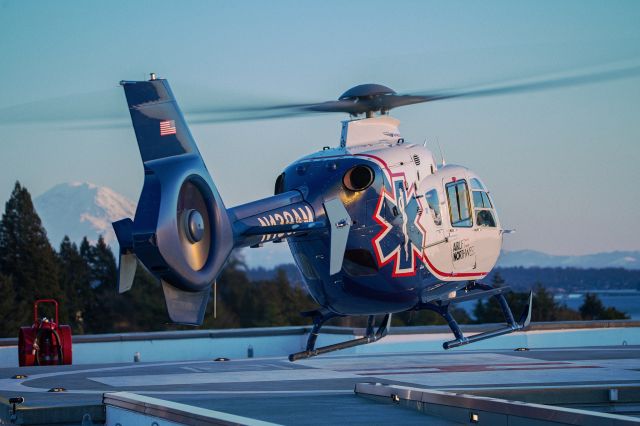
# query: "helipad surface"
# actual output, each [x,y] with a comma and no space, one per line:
[321,390]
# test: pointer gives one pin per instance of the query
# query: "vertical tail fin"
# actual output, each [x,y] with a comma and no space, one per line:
[181,232]
[159,125]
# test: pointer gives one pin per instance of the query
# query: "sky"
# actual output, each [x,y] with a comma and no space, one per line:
[562,165]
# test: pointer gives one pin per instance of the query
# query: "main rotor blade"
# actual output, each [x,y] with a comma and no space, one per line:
[102,109]
[79,107]
[389,101]
[530,86]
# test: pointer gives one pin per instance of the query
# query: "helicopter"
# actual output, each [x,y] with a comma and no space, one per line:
[375,225]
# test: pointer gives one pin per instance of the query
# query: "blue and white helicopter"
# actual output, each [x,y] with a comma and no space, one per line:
[374,224]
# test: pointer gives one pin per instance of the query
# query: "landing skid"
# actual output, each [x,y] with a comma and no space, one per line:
[478,291]
[319,318]
[473,291]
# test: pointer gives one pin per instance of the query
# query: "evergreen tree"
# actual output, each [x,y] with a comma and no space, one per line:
[26,255]
[545,305]
[545,308]
[10,308]
[488,310]
[86,251]
[111,312]
[497,280]
[425,317]
[236,293]
[593,309]
[140,309]
[276,303]
[104,265]
[75,280]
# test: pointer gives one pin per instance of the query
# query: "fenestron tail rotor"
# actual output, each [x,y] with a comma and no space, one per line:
[193,223]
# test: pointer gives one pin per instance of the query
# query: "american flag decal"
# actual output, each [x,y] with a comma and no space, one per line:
[167,127]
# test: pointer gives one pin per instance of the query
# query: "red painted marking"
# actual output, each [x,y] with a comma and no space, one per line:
[462,369]
[430,367]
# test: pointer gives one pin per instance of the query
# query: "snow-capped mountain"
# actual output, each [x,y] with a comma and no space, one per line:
[79,209]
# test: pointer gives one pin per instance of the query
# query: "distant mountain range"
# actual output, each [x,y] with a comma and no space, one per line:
[81,209]
[278,254]
[532,258]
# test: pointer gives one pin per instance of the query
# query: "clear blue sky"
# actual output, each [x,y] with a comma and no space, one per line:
[562,165]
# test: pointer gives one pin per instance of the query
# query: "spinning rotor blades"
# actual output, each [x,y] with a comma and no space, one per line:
[102,109]
[369,98]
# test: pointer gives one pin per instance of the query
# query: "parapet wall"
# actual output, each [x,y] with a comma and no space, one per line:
[281,341]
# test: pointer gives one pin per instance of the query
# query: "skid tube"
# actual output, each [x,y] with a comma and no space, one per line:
[319,318]
[483,291]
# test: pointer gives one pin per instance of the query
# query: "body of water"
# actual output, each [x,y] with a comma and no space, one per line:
[624,301]
[627,302]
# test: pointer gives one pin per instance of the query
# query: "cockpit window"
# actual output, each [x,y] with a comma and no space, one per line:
[481,200]
[476,184]
[459,209]
[485,216]
[434,206]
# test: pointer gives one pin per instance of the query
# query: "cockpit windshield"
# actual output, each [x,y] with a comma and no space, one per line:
[484,212]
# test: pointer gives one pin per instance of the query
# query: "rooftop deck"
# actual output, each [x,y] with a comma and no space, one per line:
[321,390]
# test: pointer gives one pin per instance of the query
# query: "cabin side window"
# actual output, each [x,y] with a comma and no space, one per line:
[434,206]
[459,209]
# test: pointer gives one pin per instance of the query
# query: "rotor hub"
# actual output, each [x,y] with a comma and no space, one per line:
[366,91]
[194,226]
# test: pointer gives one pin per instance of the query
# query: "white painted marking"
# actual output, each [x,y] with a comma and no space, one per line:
[195,370]
[223,377]
[548,377]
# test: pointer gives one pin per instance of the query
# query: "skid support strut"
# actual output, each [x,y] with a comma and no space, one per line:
[484,291]
[320,318]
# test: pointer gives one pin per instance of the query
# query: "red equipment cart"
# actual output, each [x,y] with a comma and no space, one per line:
[46,342]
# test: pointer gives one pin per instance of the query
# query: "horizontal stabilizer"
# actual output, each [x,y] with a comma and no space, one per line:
[126,272]
[124,233]
[185,307]
[128,260]
[339,225]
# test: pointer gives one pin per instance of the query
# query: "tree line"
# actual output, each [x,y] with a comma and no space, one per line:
[83,279]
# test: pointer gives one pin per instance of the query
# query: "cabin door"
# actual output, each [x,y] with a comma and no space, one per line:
[435,247]
[460,224]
